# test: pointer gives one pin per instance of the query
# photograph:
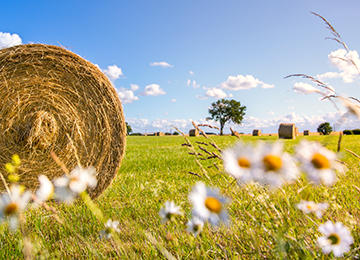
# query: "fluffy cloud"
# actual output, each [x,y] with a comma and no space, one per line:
[134,87]
[126,96]
[152,90]
[271,113]
[194,85]
[215,93]
[191,72]
[113,72]
[173,100]
[304,88]
[243,82]
[8,40]
[341,60]
[162,64]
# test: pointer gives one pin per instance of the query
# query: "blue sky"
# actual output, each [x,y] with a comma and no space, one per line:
[169,60]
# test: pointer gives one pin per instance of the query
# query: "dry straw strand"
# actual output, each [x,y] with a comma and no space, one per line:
[49,93]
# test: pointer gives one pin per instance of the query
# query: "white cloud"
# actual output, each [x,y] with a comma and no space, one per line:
[340,59]
[173,100]
[290,107]
[8,40]
[152,90]
[134,87]
[271,113]
[201,97]
[264,85]
[216,93]
[188,82]
[243,82]
[126,96]
[230,95]
[162,64]
[191,72]
[113,72]
[304,88]
[195,85]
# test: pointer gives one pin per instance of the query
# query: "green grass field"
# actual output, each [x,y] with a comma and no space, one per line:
[264,224]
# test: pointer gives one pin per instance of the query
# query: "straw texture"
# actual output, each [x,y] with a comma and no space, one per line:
[54,100]
[287,131]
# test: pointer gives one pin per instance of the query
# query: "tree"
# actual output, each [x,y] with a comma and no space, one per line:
[226,111]
[128,129]
[324,128]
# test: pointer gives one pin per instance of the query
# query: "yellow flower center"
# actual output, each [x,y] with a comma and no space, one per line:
[109,230]
[272,162]
[308,206]
[334,239]
[320,161]
[213,205]
[244,162]
[11,209]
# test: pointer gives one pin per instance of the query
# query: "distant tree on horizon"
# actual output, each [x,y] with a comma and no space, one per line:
[128,129]
[324,128]
[225,111]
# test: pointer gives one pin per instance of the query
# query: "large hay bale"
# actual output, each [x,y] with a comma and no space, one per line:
[159,134]
[306,132]
[54,100]
[287,131]
[194,132]
[256,132]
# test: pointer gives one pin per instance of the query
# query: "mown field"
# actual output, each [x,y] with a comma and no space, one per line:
[264,224]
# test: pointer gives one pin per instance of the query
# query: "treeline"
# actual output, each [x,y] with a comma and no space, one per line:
[352,132]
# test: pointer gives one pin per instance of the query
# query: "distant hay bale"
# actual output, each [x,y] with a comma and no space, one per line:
[159,134]
[194,132]
[287,131]
[296,131]
[256,132]
[306,132]
[54,100]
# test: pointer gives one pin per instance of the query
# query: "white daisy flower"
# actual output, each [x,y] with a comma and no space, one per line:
[169,212]
[110,228]
[11,206]
[195,225]
[208,204]
[312,207]
[274,166]
[337,238]
[68,187]
[46,189]
[239,162]
[317,162]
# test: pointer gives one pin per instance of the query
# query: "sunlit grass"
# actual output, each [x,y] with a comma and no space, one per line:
[156,169]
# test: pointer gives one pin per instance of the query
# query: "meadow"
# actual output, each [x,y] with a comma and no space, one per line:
[264,224]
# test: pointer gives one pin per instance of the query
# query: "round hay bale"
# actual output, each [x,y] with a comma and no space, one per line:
[306,132]
[194,132]
[256,132]
[287,131]
[159,134]
[54,100]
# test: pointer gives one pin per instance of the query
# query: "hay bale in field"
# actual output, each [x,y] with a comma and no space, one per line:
[194,132]
[54,100]
[159,134]
[296,131]
[256,132]
[306,132]
[287,131]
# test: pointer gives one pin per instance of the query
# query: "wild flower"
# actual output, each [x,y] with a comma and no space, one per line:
[169,211]
[312,207]
[317,162]
[12,205]
[239,162]
[68,187]
[46,189]
[208,205]
[110,228]
[274,166]
[337,238]
[195,226]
